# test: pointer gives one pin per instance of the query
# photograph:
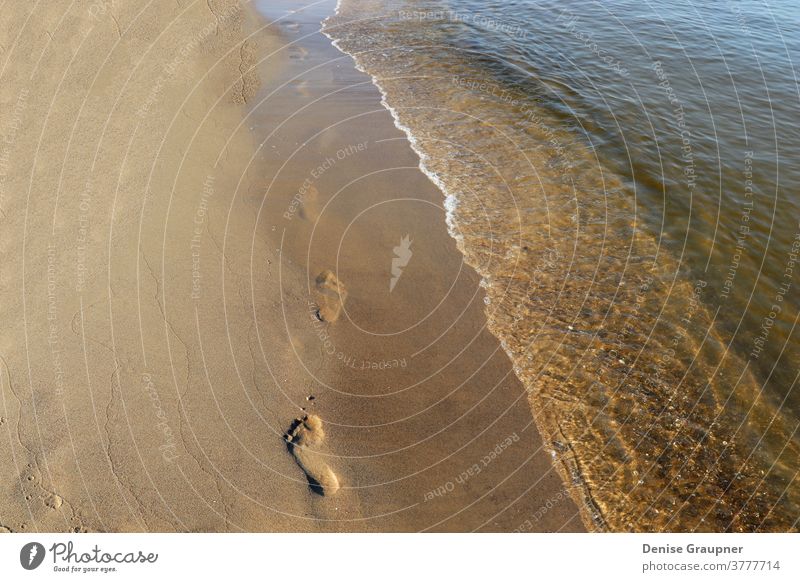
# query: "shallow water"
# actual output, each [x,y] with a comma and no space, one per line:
[623,176]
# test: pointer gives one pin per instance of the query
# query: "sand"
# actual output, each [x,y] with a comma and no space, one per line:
[228,295]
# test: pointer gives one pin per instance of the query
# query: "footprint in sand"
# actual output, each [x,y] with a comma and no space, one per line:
[308,206]
[304,440]
[298,53]
[331,295]
[54,501]
[302,88]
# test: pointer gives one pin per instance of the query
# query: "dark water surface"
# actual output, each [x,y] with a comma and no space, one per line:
[624,175]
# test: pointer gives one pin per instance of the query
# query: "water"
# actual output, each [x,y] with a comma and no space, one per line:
[623,175]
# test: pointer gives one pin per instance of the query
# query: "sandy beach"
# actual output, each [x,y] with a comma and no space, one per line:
[229,298]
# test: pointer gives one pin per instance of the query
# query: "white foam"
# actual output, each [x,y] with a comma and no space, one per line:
[451,200]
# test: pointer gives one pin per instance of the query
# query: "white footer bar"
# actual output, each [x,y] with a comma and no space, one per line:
[378,557]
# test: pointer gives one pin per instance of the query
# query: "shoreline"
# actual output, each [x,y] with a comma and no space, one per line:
[350,109]
[566,467]
[172,293]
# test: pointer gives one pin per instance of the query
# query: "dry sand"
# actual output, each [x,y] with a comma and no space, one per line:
[229,299]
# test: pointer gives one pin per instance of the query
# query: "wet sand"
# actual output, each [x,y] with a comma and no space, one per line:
[230,282]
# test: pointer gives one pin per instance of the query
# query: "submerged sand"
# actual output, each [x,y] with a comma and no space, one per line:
[227,288]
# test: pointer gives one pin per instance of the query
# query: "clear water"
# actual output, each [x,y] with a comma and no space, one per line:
[624,175]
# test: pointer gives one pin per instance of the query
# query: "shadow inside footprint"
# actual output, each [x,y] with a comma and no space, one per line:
[303,440]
